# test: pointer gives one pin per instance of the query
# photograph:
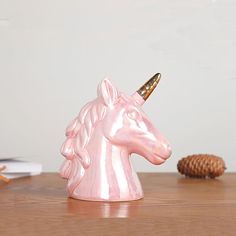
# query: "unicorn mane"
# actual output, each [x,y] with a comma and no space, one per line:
[78,135]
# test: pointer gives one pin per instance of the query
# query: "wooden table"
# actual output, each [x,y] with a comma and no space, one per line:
[173,205]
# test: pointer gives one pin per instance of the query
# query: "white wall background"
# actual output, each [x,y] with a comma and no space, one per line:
[54,53]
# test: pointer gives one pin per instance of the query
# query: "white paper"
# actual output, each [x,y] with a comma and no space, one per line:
[19,175]
[18,166]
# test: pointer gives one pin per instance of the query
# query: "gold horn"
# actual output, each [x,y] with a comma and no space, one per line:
[146,90]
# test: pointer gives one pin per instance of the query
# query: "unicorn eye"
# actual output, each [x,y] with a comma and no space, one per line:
[134,115]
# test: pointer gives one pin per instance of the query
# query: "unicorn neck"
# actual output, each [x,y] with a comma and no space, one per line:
[110,172]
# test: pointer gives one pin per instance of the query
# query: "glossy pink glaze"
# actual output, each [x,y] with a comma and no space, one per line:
[100,142]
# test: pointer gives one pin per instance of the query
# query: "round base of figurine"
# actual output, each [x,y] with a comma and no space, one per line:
[107,200]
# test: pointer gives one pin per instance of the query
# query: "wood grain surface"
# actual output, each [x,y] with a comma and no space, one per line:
[173,205]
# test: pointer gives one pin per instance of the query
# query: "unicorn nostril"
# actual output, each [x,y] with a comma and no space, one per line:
[167,148]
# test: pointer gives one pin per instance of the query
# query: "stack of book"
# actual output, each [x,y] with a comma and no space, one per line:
[12,168]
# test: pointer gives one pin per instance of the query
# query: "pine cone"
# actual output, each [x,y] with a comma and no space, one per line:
[201,166]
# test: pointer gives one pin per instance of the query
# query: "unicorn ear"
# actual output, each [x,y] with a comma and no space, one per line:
[108,92]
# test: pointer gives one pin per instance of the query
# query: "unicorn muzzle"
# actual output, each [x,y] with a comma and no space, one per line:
[161,153]
[165,152]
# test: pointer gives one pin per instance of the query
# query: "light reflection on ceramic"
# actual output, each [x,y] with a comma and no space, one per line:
[99,144]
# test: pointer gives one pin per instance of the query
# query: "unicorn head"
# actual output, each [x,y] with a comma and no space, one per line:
[102,138]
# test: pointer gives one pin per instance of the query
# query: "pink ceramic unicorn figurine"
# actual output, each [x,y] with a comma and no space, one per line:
[102,138]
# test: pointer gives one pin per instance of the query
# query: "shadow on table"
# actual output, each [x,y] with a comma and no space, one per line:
[103,209]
